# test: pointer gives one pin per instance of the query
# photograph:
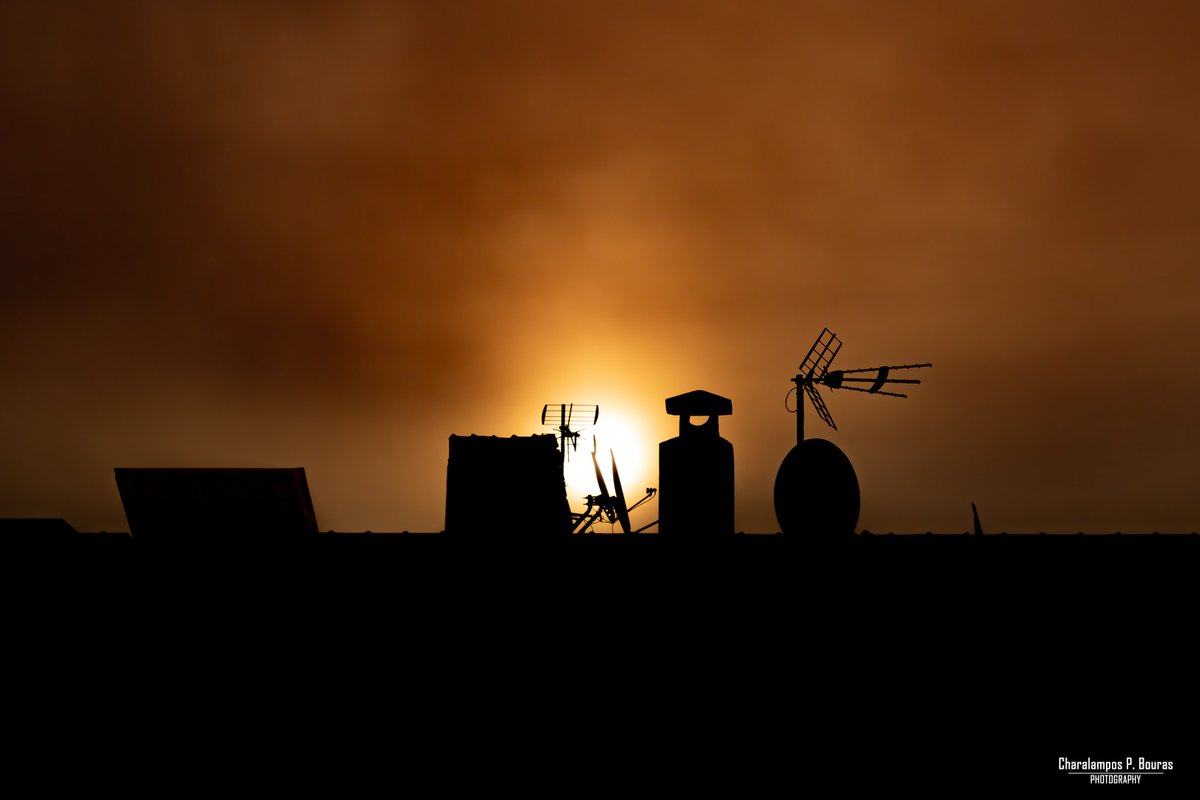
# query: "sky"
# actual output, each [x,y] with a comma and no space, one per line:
[330,235]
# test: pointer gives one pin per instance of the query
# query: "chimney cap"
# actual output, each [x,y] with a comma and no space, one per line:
[699,403]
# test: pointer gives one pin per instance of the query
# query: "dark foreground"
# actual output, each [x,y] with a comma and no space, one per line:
[907,664]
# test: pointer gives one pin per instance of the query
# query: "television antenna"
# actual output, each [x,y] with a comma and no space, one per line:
[561,416]
[610,508]
[814,372]
[816,490]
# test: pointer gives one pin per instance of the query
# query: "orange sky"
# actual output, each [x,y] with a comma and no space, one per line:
[330,235]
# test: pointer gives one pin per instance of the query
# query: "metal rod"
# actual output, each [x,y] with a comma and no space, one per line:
[876,369]
[562,438]
[868,391]
[799,409]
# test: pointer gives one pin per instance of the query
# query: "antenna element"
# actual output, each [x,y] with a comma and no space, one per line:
[561,416]
[814,372]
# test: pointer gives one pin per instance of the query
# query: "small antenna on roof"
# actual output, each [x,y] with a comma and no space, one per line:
[814,371]
[816,490]
[561,416]
[610,507]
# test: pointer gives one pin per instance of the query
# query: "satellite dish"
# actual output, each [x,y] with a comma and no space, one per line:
[619,506]
[607,507]
[610,508]
[816,490]
[599,475]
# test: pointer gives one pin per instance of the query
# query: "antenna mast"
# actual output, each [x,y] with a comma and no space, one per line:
[561,416]
[814,372]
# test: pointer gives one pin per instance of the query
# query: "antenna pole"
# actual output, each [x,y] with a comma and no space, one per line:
[799,409]
[562,434]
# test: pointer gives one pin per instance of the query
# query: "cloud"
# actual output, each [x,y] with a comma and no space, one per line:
[328,228]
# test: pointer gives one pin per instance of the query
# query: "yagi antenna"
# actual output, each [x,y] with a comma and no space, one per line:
[561,416]
[814,372]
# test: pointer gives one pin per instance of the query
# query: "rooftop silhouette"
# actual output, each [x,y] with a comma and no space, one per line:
[513,490]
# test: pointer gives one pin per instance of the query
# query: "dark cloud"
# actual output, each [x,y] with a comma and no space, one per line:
[332,235]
